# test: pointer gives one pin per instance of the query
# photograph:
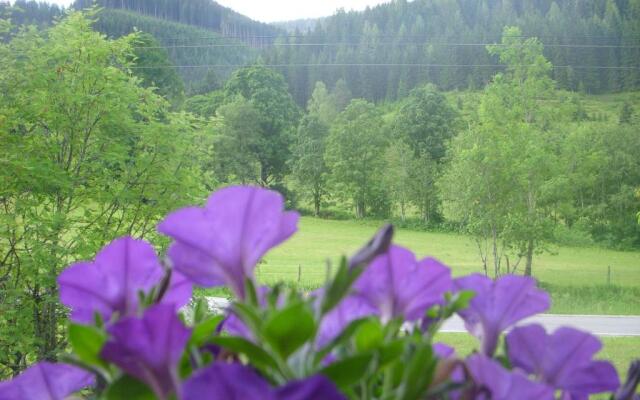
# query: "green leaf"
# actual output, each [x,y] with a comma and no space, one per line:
[419,372]
[369,335]
[201,310]
[337,288]
[249,315]
[390,352]
[462,299]
[251,293]
[258,357]
[205,330]
[349,370]
[288,329]
[127,387]
[86,342]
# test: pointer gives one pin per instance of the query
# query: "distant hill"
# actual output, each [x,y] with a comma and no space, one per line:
[205,14]
[204,65]
[29,12]
[207,56]
[385,51]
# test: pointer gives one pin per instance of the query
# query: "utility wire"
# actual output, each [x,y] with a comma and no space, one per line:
[383,65]
[439,44]
[425,37]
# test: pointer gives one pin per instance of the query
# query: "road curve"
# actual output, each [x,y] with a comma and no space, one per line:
[601,325]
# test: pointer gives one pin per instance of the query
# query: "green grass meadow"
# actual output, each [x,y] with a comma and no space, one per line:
[575,277]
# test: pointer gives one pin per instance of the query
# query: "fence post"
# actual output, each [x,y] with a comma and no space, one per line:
[299,273]
[609,275]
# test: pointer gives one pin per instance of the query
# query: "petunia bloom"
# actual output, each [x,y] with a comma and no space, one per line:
[317,387]
[349,309]
[222,242]
[492,381]
[112,282]
[564,360]
[498,305]
[149,348]
[221,381]
[46,381]
[398,285]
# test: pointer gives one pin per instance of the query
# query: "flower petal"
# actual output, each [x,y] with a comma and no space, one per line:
[220,381]
[396,284]
[596,377]
[498,305]
[223,242]
[46,381]
[113,281]
[149,348]
[502,384]
[349,309]
[562,359]
[317,387]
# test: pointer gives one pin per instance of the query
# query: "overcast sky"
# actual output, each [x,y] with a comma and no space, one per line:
[284,10]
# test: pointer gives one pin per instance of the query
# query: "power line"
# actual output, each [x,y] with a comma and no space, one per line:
[439,44]
[418,37]
[383,65]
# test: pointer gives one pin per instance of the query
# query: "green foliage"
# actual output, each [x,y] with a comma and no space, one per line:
[426,121]
[501,174]
[277,116]
[308,166]
[88,155]
[353,154]
[237,147]
[152,65]
[205,105]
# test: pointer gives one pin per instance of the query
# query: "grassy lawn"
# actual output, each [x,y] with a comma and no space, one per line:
[575,277]
[619,350]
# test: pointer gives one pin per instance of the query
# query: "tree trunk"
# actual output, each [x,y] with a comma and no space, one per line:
[316,205]
[527,268]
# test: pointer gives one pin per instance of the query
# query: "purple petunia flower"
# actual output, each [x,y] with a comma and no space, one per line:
[349,309]
[498,305]
[46,381]
[396,284]
[112,282]
[317,387]
[226,381]
[221,381]
[494,382]
[149,348]
[222,242]
[562,360]
[442,350]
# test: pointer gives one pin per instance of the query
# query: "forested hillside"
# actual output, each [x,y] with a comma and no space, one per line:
[385,51]
[28,12]
[206,14]
[188,46]
[181,43]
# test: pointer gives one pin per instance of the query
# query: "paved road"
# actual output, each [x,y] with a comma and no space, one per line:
[602,325]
